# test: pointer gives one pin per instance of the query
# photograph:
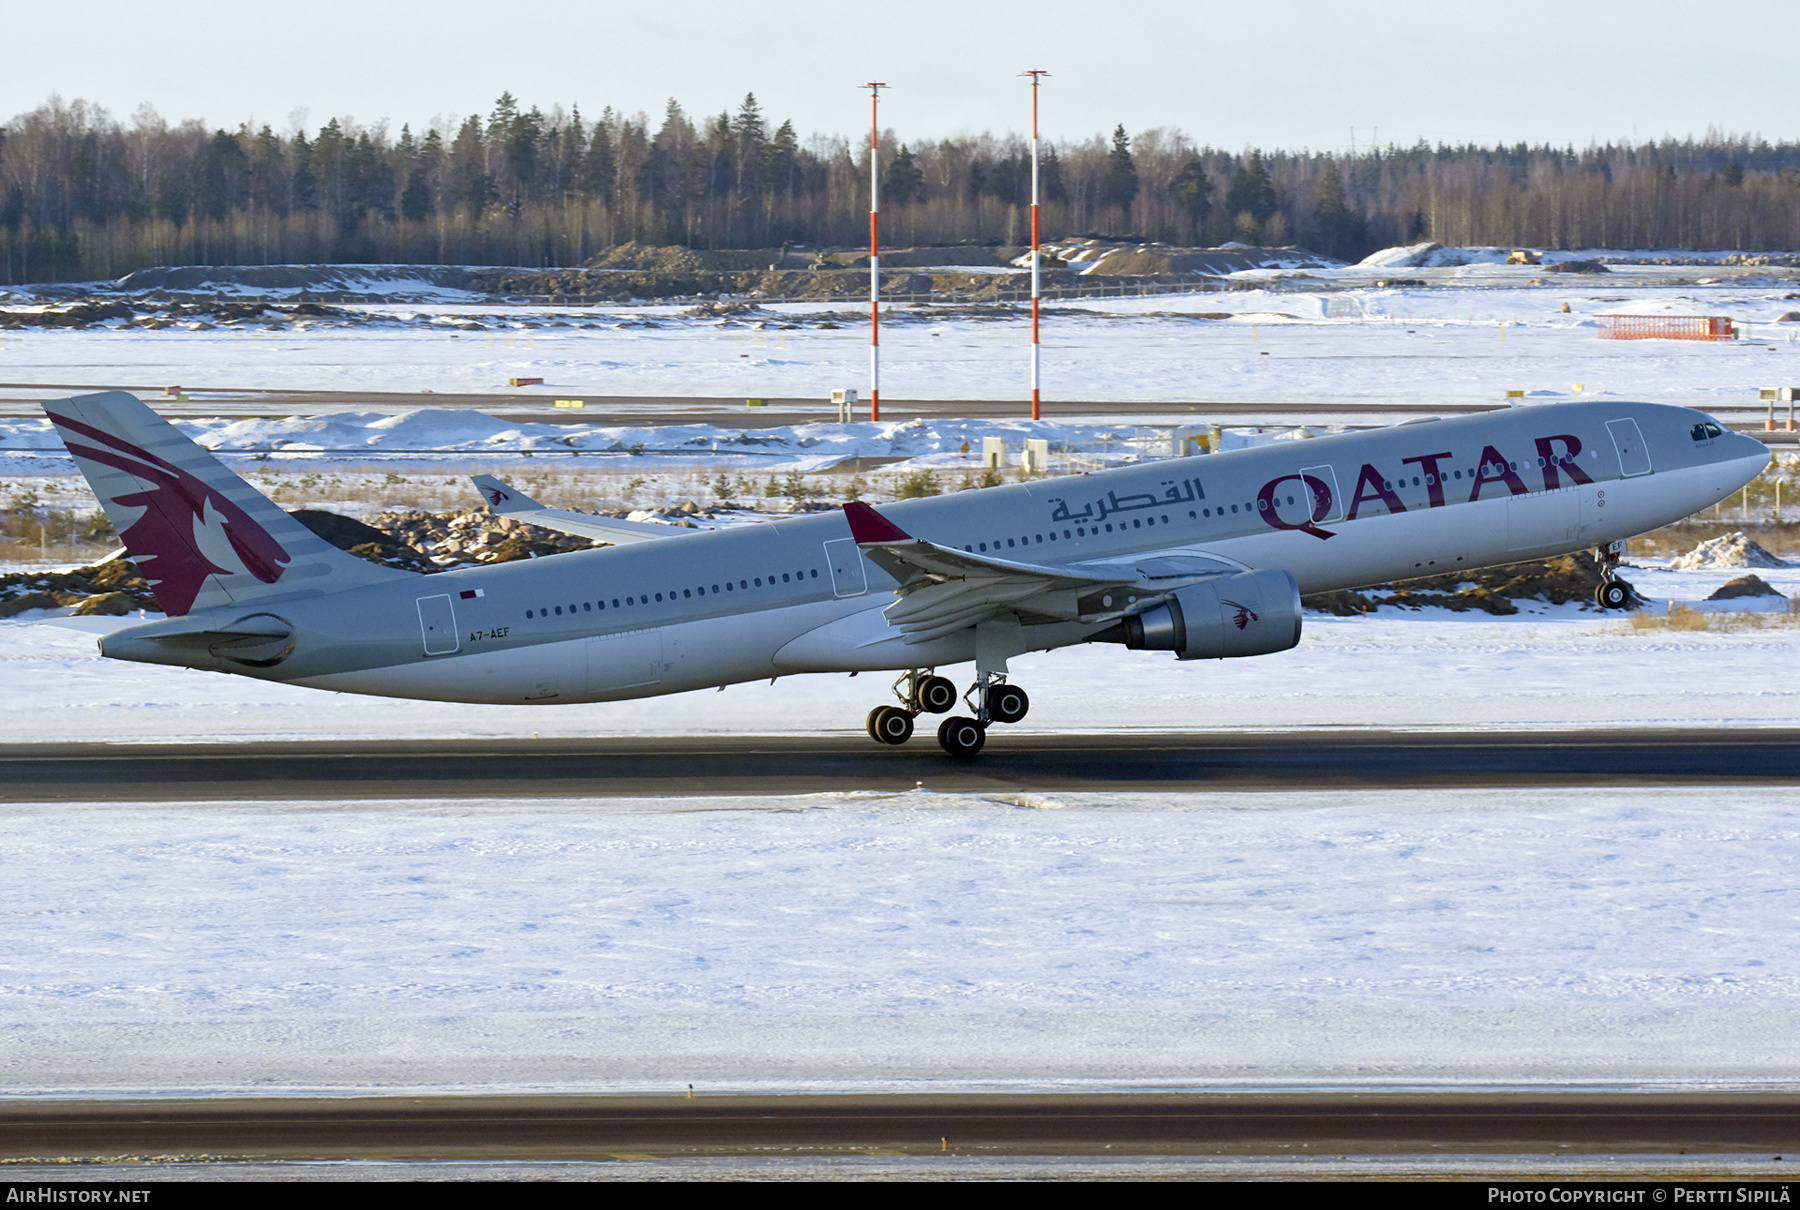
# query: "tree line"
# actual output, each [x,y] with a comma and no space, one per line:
[84,195]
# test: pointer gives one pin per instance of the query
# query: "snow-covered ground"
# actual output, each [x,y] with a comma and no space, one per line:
[905,941]
[454,439]
[1337,348]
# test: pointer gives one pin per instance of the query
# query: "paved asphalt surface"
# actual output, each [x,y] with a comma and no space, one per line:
[19,399]
[548,1127]
[723,411]
[1012,761]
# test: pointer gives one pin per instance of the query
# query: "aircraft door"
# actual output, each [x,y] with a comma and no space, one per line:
[437,625]
[1634,455]
[1334,507]
[849,576]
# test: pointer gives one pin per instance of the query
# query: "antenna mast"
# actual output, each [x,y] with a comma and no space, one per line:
[874,88]
[1036,295]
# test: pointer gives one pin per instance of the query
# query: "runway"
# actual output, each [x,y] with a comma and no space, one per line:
[1013,761]
[598,1128]
[21,399]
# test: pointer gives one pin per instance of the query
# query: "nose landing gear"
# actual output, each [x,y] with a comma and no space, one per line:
[1612,593]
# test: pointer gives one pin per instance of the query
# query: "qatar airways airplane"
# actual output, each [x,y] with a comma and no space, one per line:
[1204,557]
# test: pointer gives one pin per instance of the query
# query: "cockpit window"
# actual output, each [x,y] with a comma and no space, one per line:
[1707,431]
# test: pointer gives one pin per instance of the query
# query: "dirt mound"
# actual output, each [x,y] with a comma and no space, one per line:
[651,258]
[456,539]
[1744,586]
[1491,590]
[1576,266]
[1731,550]
[117,579]
[80,315]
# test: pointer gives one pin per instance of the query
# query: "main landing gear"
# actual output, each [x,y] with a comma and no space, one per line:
[990,698]
[919,693]
[1612,593]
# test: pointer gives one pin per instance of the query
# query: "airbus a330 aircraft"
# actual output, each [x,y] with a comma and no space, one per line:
[1203,557]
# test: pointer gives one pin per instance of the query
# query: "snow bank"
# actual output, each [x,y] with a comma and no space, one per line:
[448,432]
[1731,550]
[418,282]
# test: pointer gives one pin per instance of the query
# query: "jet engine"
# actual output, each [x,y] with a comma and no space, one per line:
[1251,613]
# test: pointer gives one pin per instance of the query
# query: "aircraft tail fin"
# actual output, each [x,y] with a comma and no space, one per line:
[505,500]
[200,535]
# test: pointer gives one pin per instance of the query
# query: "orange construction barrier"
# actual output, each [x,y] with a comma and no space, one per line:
[1664,327]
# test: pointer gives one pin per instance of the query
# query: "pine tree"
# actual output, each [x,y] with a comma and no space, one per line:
[598,168]
[268,185]
[1339,228]
[303,185]
[469,183]
[1192,190]
[1121,185]
[904,182]
[415,199]
[1252,193]
[781,160]
[751,137]
[223,176]
[1051,189]
[328,169]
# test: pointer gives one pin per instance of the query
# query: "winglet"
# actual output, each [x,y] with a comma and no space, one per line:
[867,525]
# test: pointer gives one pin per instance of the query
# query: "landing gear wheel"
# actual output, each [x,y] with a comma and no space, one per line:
[890,725]
[1007,703]
[936,695]
[1614,594]
[961,736]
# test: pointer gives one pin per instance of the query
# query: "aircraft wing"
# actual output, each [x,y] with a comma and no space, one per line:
[504,500]
[943,590]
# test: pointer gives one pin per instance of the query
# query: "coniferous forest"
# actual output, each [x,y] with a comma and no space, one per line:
[84,195]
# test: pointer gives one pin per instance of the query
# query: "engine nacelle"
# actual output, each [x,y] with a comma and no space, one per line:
[1251,613]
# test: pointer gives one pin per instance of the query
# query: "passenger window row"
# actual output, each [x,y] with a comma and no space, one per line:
[673,594]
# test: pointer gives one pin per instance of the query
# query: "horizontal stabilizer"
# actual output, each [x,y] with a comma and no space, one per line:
[504,500]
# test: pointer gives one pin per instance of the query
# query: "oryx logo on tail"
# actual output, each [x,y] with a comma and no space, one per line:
[187,530]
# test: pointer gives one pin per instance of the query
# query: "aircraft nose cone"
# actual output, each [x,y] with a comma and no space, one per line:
[1745,446]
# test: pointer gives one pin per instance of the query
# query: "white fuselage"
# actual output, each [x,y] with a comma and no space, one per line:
[796,595]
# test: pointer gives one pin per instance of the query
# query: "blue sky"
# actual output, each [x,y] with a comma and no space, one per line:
[1278,73]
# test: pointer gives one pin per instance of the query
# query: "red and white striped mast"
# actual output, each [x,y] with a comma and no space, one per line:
[874,88]
[1036,298]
